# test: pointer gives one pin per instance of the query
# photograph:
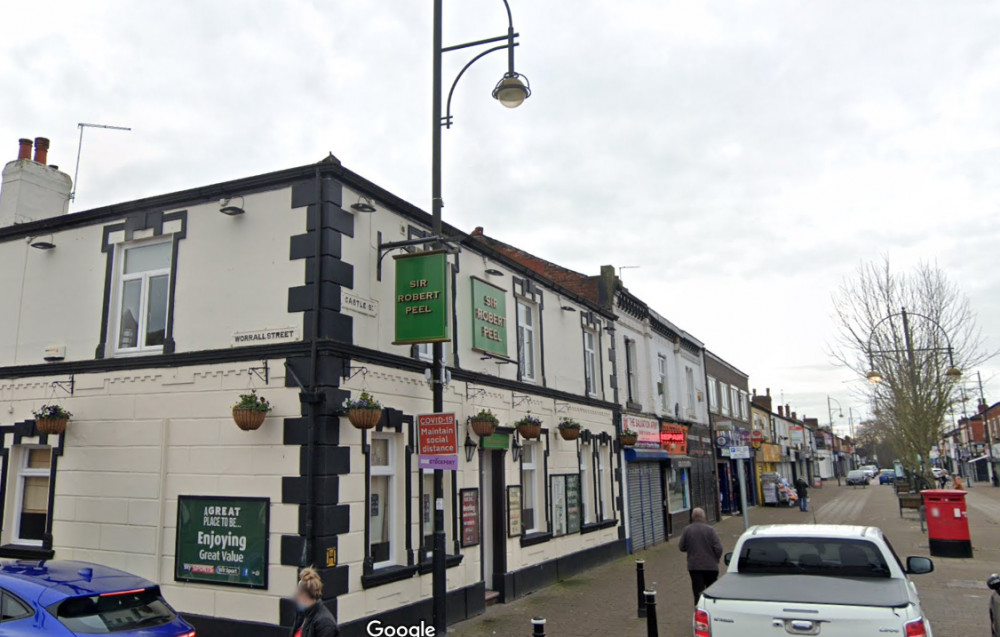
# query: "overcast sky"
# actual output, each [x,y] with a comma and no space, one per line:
[746,155]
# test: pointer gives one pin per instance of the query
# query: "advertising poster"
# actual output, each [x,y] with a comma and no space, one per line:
[470,517]
[222,540]
[514,511]
[558,505]
[573,503]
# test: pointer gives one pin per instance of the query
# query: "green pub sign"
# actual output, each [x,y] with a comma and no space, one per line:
[222,540]
[421,297]
[489,318]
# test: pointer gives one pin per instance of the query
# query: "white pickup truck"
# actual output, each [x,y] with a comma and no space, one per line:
[824,580]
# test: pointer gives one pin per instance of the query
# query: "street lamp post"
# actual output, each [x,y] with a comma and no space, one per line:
[986,430]
[511,91]
[854,440]
[829,412]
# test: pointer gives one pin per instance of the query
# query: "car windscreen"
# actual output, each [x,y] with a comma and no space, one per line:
[833,557]
[113,612]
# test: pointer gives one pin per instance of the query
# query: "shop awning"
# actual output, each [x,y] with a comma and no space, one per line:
[645,455]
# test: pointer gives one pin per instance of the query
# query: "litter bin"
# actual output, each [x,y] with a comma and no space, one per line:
[947,523]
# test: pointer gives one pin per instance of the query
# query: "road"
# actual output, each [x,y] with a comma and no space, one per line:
[602,601]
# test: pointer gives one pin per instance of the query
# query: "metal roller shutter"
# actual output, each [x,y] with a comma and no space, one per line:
[655,503]
[637,523]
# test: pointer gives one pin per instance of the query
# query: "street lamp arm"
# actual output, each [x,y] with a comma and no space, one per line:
[904,314]
[446,120]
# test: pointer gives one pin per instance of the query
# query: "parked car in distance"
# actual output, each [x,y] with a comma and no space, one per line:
[857,477]
[71,599]
[994,583]
[886,476]
[870,470]
[824,579]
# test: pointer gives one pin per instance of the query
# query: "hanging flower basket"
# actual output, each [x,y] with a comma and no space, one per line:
[51,419]
[569,429]
[628,438]
[529,427]
[484,423]
[365,412]
[251,410]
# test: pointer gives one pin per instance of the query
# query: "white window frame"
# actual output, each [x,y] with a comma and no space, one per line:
[734,395]
[661,369]
[713,395]
[631,370]
[744,399]
[689,382]
[586,489]
[537,467]
[724,406]
[526,332]
[425,352]
[590,362]
[390,507]
[23,471]
[119,297]
[602,483]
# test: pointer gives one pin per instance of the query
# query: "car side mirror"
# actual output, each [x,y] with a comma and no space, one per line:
[994,582]
[916,565]
[729,558]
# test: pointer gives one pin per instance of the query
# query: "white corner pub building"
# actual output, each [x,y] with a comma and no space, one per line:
[148,319]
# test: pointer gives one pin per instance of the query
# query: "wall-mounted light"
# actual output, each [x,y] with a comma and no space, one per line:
[228,207]
[41,243]
[515,449]
[363,204]
[470,448]
[568,308]
[494,272]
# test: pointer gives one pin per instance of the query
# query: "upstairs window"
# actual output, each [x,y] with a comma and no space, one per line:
[713,395]
[661,382]
[724,402]
[590,361]
[142,294]
[689,389]
[526,340]
[630,370]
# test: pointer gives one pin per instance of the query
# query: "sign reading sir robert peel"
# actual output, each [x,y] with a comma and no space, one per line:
[222,540]
[421,297]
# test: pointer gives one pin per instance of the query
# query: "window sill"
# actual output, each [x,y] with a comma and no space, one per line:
[387,575]
[26,552]
[631,406]
[450,561]
[597,526]
[535,538]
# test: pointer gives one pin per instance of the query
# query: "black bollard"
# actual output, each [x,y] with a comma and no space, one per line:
[651,629]
[640,585]
[537,627]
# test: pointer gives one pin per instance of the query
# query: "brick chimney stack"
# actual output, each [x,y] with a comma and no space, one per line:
[781,411]
[764,402]
[41,150]
[24,151]
[31,190]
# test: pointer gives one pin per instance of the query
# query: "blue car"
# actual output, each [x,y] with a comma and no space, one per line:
[68,599]
[886,476]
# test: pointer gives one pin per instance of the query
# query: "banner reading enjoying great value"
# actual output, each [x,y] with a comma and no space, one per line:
[222,540]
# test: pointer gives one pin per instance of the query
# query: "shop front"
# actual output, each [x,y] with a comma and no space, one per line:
[768,473]
[644,483]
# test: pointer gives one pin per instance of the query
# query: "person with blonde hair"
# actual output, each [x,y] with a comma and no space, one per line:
[314,619]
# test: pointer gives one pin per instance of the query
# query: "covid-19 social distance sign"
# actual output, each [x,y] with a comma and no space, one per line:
[222,540]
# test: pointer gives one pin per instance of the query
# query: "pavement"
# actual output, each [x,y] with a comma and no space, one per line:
[602,601]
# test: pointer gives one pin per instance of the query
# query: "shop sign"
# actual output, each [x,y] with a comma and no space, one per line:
[722,440]
[514,510]
[437,440]
[673,439]
[496,441]
[470,517]
[647,428]
[757,435]
[796,435]
[421,297]
[739,453]
[489,318]
[222,540]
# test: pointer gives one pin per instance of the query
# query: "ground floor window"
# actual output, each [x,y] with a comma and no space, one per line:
[382,501]
[31,507]
[532,496]
[679,498]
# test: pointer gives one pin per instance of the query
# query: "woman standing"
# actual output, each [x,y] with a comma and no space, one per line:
[314,618]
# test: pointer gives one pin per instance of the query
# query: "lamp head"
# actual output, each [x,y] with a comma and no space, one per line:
[874,377]
[511,91]
[953,373]
[470,448]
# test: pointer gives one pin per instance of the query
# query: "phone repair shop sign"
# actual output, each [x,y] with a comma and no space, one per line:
[437,438]
[222,540]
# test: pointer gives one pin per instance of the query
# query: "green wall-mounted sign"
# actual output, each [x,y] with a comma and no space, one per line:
[496,441]
[421,297]
[222,540]
[489,318]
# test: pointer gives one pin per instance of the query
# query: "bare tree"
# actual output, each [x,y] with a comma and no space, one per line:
[913,332]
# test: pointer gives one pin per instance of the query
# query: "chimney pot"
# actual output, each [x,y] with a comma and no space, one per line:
[781,411]
[24,148]
[793,416]
[41,150]
[767,391]
[478,232]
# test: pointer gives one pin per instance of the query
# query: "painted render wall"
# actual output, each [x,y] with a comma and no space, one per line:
[138,439]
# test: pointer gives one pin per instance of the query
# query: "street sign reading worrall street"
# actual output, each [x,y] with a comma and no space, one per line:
[222,540]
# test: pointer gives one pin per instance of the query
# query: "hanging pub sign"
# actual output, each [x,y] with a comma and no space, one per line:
[222,540]
[489,318]
[421,297]
[673,439]
[470,517]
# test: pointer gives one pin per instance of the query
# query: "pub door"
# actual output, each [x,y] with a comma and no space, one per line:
[494,546]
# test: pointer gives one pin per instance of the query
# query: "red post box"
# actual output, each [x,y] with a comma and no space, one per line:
[947,523]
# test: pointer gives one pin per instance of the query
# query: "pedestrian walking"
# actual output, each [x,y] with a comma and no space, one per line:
[958,484]
[314,619]
[802,490]
[704,549]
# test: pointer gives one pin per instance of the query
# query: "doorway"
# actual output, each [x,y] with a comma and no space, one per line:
[494,547]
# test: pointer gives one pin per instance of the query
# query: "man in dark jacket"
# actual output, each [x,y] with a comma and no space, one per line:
[703,548]
[802,490]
